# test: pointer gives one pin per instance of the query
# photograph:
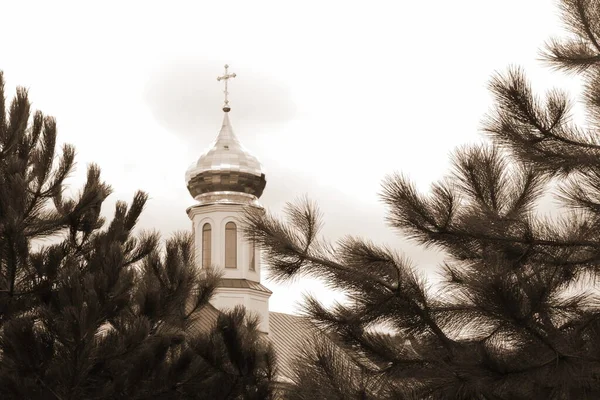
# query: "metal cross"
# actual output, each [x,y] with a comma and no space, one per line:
[226,78]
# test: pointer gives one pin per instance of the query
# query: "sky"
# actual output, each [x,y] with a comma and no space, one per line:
[331,96]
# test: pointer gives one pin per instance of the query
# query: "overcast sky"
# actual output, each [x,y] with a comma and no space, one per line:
[330,95]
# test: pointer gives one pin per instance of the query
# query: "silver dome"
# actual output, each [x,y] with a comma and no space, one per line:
[226,166]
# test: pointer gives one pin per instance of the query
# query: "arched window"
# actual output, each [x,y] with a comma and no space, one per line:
[206,245]
[230,245]
[252,255]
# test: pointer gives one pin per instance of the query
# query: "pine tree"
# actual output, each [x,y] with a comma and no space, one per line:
[517,316]
[97,311]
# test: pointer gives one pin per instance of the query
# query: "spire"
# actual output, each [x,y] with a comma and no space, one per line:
[226,78]
[226,139]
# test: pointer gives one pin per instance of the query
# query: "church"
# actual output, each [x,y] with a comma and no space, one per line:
[224,180]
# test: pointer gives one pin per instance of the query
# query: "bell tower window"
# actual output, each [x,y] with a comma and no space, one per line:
[252,256]
[206,245]
[230,245]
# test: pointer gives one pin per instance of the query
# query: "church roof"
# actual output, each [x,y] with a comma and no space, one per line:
[204,319]
[289,334]
[242,284]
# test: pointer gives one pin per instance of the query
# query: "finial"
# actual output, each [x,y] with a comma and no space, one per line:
[226,78]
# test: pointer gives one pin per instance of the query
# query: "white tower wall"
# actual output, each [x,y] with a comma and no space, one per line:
[240,285]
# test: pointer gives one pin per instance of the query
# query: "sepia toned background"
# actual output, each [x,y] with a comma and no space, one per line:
[330,96]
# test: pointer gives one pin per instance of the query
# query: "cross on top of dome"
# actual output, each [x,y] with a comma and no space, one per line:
[225,77]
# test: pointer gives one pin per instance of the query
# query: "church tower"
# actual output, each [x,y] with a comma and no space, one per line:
[226,179]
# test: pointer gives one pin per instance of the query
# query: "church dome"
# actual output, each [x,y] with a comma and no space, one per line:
[226,171]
